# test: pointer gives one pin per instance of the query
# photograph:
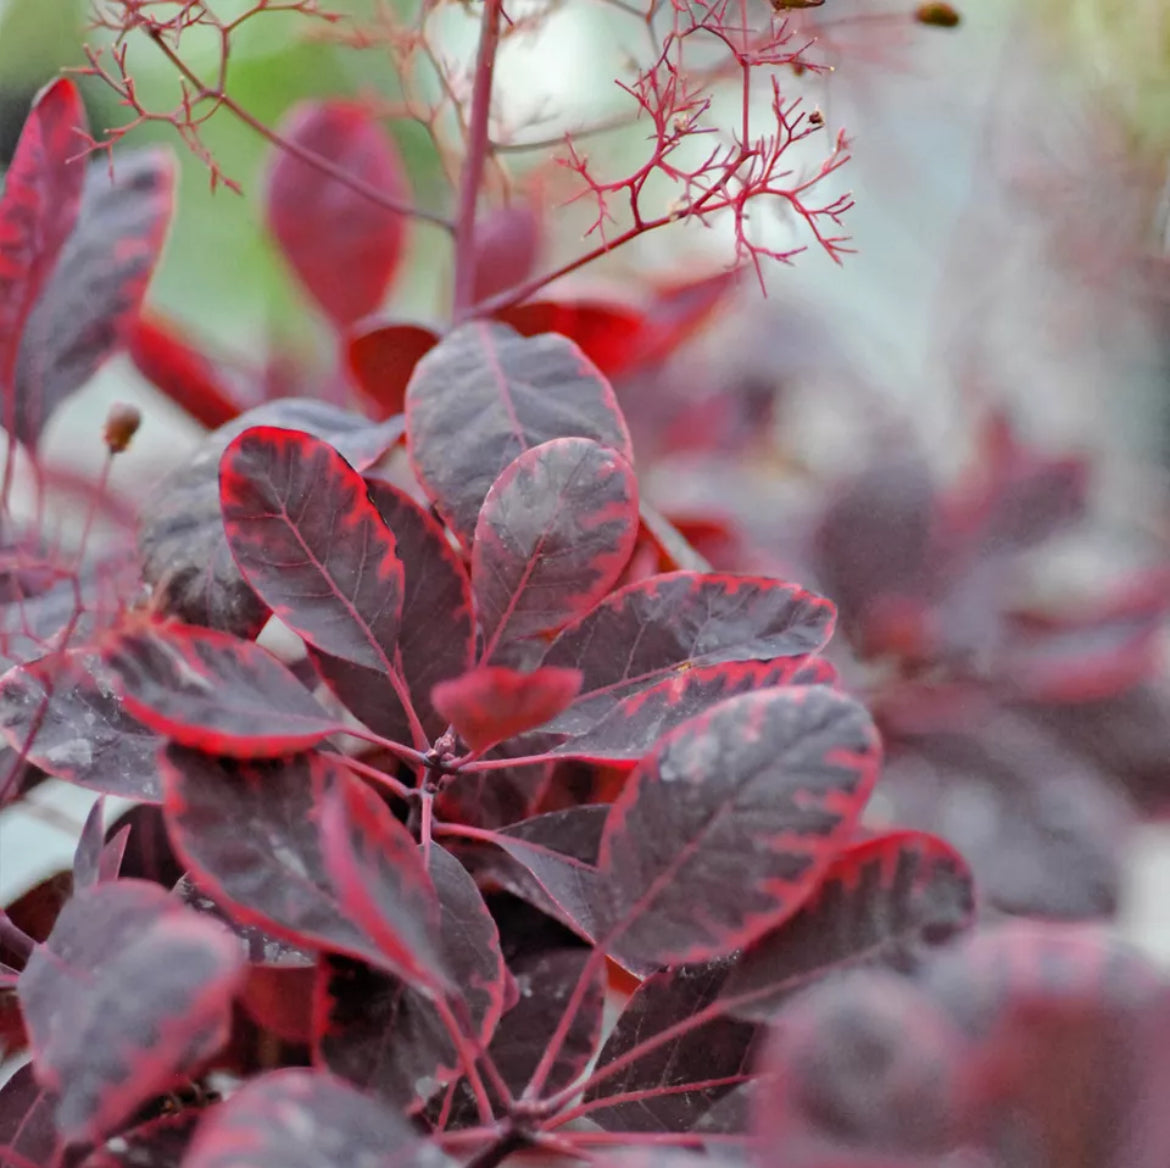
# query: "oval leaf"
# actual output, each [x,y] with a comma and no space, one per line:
[728,826]
[381,359]
[343,246]
[483,396]
[553,535]
[492,703]
[307,538]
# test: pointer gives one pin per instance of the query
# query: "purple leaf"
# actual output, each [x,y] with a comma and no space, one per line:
[436,640]
[379,1033]
[98,284]
[632,726]
[216,693]
[882,900]
[726,828]
[87,854]
[657,629]
[483,396]
[673,1085]
[381,882]
[38,210]
[553,535]
[181,535]
[297,1118]
[249,833]
[73,726]
[130,992]
[492,703]
[307,538]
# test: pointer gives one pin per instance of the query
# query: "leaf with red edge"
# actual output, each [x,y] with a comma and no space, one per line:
[185,555]
[38,210]
[631,727]
[172,364]
[26,1121]
[507,244]
[668,625]
[382,882]
[608,334]
[131,992]
[436,640]
[381,359]
[343,246]
[493,703]
[249,833]
[298,1118]
[552,537]
[671,1086]
[884,900]
[381,1034]
[63,712]
[99,282]
[307,538]
[727,827]
[214,692]
[483,396]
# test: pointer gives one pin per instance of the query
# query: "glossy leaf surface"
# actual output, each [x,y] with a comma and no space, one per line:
[483,396]
[343,247]
[553,535]
[726,828]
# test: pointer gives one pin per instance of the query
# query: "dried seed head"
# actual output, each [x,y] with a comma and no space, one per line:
[122,424]
[939,15]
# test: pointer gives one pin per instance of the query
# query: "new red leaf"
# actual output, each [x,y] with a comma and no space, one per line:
[297,1118]
[492,703]
[882,900]
[381,359]
[608,334]
[131,992]
[553,535]
[39,207]
[483,396]
[727,827]
[75,727]
[381,881]
[98,284]
[664,626]
[343,246]
[216,693]
[307,538]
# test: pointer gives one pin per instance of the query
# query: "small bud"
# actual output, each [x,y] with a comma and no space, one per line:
[939,15]
[122,424]
[816,118]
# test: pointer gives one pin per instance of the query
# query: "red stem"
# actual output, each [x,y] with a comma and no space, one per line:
[478,145]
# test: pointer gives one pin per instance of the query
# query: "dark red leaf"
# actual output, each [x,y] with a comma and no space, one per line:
[343,247]
[553,535]
[63,711]
[296,1118]
[304,533]
[97,287]
[727,827]
[663,627]
[492,703]
[507,243]
[882,900]
[38,210]
[214,692]
[148,854]
[170,363]
[181,535]
[483,396]
[381,359]
[26,1121]
[130,992]
[249,834]
[436,640]
[632,726]
[608,334]
[382,882]
[379,1033]
[672,1086]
